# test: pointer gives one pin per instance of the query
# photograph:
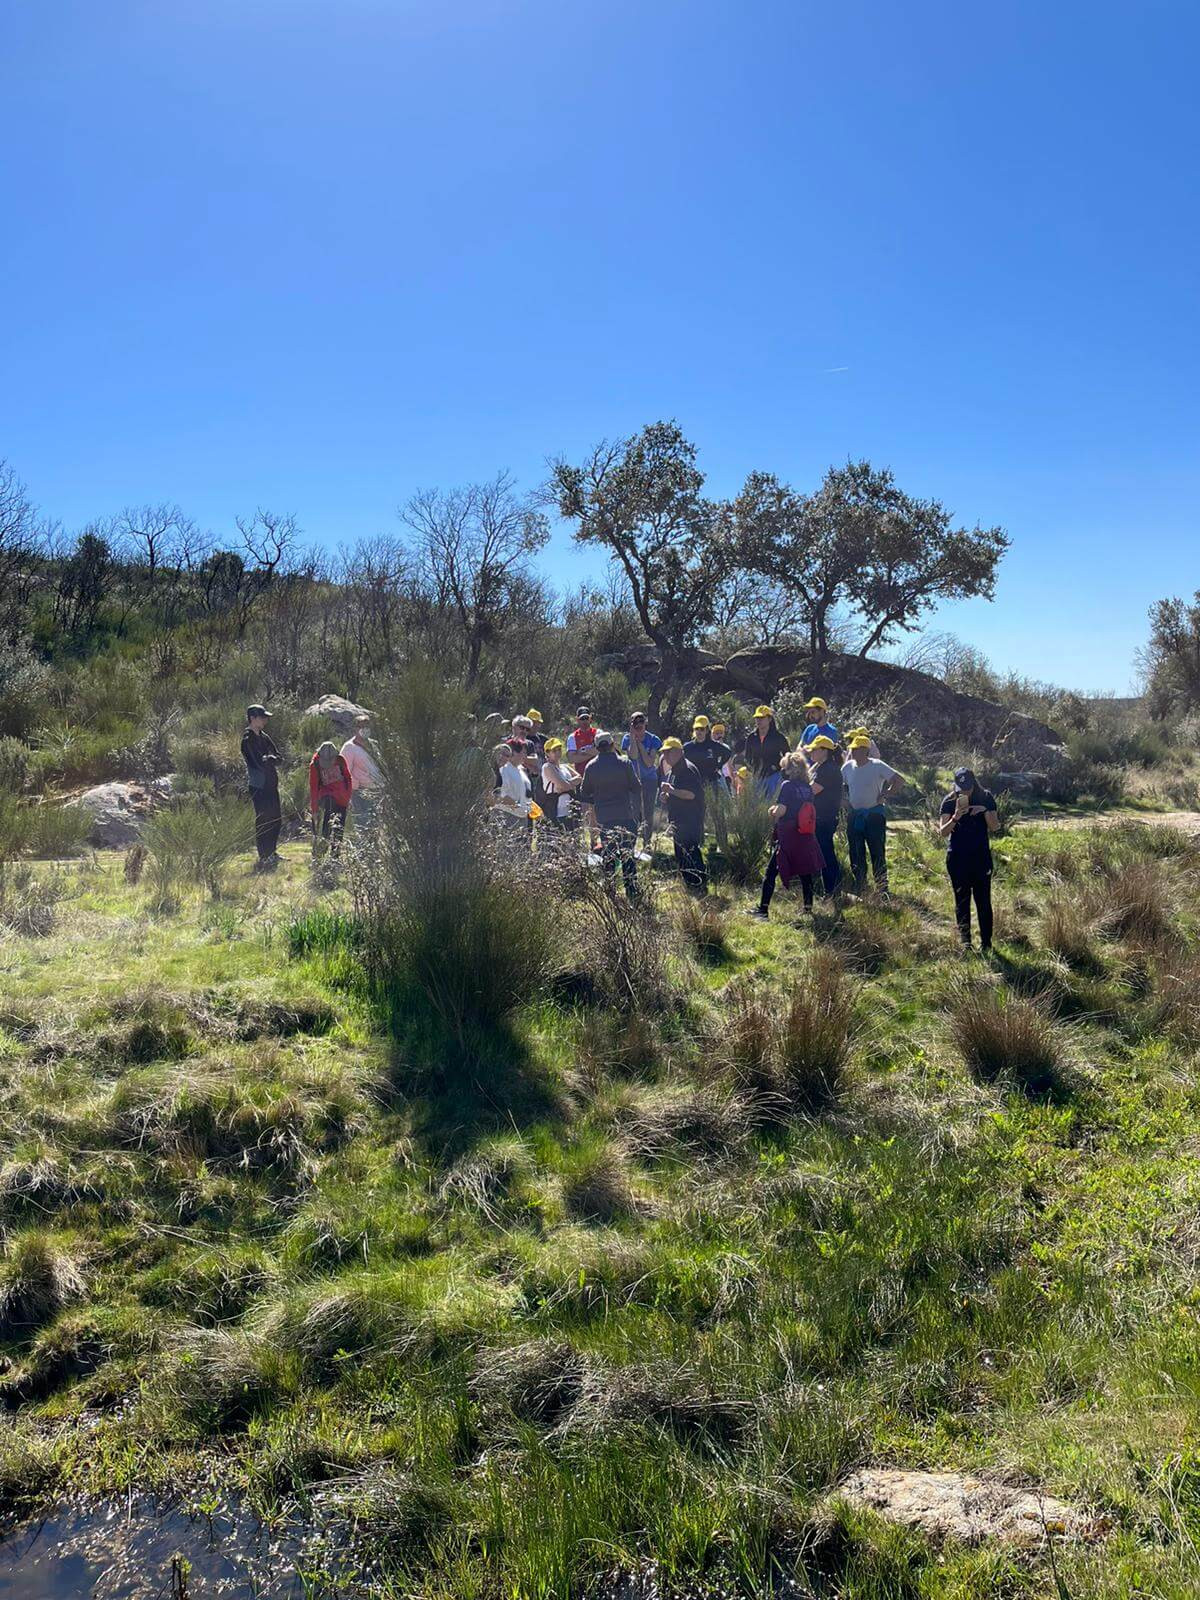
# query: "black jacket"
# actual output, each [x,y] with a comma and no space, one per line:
[763,756]
[708,756]
[612,785]
[260,773]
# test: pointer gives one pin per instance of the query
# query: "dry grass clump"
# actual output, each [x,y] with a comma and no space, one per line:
[791,1053]
[220,1379]
[868,937]
[538,1381]
[674,1397]
[384,1518]
[595,1183]
[29,901]
[494,1179]
[1141,904]
[1175,1003]
[1070,929]
[687,1121]
[38,1183]
[39,1276]
[1009,1039]
[705,927]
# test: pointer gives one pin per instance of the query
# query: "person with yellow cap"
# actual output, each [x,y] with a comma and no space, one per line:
[828,789]
[532,722]
[763,750]
[868,783]
[561,784]
[820,726]
[705,753]
[642,747]
[682,792]
[718,732]
[795,854]
[864,733]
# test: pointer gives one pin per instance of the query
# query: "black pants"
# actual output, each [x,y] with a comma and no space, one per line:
[872,838]
[771,878]
[826,838]
[268,819]
[617,850]
[975,883]
[689,858]
[329,823]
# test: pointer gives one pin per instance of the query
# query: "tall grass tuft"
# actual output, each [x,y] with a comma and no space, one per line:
[453,942]
[1010,1040]
[38,1277]
[818,1031]
[744,832]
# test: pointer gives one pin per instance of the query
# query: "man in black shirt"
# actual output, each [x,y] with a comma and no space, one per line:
[968,820]
[705,753]
[825,774]
[682,792]
[612,787]
[262,776]
[763,750]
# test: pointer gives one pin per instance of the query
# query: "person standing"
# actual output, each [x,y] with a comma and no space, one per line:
[868,782]
[827,787]
[330,788]
[968,820]
[705,753]
[764,749]
[360,756]
[718,731]
[581,742]
[820,726]
[796,856]
[262,778]
[682,792]
[534,734]
[863,733]
[612,788]
[561,784]
[642,747]
[514,792]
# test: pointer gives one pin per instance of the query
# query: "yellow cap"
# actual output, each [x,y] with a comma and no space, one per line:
[534,716]
[861,743]
[718,727]
[672,744]
[743,772]
[701,721]
[815,704]
[764,711]
[821,742]
[555,744]
[858,733]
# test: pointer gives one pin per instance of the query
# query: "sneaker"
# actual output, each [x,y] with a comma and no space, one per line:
[758,913]
[643,855]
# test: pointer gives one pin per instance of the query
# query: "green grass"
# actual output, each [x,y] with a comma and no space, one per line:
[852,1198]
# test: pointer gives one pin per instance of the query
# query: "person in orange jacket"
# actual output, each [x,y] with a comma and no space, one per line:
[329,788]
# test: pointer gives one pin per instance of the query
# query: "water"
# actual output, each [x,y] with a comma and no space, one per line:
[141,1550]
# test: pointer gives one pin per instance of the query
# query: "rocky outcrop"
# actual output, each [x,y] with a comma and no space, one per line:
[955,1505]
[117,811]
[338,712]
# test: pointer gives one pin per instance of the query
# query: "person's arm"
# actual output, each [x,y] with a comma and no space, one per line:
[949,819]
[896,781]
[775,812]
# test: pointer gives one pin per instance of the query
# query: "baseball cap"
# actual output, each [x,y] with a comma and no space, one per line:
[672,744]
[964,778]
[256,711]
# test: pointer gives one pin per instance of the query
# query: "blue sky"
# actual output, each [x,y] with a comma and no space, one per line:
[315,256]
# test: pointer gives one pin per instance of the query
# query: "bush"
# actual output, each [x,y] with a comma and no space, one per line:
[1010,1040]
[14,765]
[744,832]
[56,832]
[38,1277]
[29,901]
[194,841]
[818,1031]
[706,928]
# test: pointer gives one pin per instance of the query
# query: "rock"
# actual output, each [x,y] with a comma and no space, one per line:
[1019,782]
[339,712]
[760,672]
[118,811]
[955,1505]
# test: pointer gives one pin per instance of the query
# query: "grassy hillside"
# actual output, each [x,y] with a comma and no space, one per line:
[844,1197]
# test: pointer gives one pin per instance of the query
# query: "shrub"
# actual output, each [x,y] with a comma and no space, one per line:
[621,946]
[29,901]
[1140,904]
[819,1025]
[56,832]
[1009,1039]
[744,831]
[705,927]
[194,841]
[14,765]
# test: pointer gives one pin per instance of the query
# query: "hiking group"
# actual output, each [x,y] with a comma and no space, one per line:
[613,791]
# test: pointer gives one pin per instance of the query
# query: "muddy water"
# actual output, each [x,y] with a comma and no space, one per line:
[142,1551]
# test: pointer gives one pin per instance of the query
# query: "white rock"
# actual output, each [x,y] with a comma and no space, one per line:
[955,1505]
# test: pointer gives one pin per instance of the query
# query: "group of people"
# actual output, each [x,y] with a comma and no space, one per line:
[339,782]
[614,790]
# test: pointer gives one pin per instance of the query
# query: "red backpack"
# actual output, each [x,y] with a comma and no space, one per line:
[806,818]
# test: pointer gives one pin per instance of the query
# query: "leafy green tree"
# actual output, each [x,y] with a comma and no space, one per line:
[1171,659]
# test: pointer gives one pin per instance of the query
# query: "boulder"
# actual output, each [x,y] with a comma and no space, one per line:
[339,712]
[118,811]
[955,1505]
[760,672]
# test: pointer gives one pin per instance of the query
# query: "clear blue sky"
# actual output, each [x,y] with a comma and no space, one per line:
[314,256]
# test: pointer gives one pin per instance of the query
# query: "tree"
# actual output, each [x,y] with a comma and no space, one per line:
[474,545]
[20,545]
[1170,661]
[640,498]
[860,545]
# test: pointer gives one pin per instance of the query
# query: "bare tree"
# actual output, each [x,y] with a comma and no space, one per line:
[474,545]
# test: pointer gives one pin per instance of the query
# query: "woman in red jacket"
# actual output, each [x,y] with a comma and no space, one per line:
[329,788]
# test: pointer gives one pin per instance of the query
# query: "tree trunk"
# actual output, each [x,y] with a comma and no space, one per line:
[663,683]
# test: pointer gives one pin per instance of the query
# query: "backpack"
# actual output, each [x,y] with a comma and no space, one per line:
[806,818]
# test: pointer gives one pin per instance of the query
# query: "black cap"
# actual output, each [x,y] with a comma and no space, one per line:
[964,779]
[256,711]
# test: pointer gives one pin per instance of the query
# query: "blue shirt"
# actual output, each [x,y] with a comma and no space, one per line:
[650,743]
[814,731]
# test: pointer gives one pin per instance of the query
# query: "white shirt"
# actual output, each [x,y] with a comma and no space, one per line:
[555,772]
[865,782]
[515,786]
[364,769]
